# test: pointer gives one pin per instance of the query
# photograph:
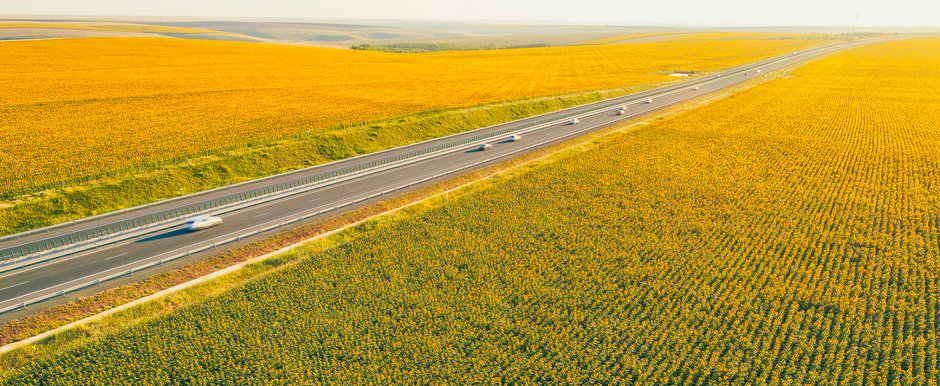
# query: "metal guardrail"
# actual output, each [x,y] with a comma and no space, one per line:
[70,243]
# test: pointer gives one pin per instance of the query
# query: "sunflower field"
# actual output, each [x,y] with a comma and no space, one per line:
[787,234]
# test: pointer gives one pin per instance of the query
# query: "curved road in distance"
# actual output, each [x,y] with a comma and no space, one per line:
[31,282]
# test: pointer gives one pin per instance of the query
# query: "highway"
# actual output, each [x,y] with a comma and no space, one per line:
[35,280]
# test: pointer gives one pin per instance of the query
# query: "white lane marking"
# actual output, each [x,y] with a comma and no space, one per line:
[15,285]
[115,256]
[70,281]
[75,256]
[259,215]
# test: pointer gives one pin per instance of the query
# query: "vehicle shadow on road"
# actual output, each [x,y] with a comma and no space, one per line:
[165,235]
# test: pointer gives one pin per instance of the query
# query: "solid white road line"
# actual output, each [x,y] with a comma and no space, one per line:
[115,256]
[55,261]
[15,285]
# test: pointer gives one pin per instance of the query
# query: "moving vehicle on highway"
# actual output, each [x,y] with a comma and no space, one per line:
[648,101]
[575,121]
[484,147]
[515,137]
[695,88]
[202,222]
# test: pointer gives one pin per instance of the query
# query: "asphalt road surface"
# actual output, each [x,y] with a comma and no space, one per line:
[41,279]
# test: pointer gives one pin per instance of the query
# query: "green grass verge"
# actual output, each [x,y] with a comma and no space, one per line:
[254,161]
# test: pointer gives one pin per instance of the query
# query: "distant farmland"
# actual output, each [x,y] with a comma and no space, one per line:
[81,107]
[787,234]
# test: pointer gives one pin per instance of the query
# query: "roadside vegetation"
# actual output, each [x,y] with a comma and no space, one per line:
[91,121]
[785,235]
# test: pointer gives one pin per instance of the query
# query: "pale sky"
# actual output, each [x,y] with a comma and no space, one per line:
[620,12]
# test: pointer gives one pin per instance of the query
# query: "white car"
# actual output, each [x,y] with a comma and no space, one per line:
[718,76]
[746,74]
[695,88]
[621,112]
[202,222]
[648,101]
[758,71]
[484,147]
[575,121]
[515,138]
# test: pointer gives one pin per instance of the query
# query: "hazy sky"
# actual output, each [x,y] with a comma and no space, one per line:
[622,12]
